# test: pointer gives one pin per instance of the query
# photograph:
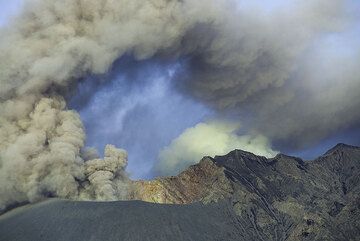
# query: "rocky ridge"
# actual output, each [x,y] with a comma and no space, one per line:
[282,198]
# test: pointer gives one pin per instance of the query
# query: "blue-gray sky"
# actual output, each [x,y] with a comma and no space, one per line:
[141,112]
[8,9]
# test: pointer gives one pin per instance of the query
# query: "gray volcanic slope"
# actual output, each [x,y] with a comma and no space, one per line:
[128,220]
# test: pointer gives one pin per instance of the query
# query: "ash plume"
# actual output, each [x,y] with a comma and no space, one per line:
[50,46]
[234,60]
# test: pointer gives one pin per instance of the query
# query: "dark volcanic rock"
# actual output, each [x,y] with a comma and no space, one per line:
[247,197]
[285,198]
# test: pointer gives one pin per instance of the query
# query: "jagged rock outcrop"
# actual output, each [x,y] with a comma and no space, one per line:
[239,196]
[202,182]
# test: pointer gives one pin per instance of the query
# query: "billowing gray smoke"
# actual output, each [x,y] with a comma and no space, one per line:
[272,72]
[237,61]
[40,156]
[49,47]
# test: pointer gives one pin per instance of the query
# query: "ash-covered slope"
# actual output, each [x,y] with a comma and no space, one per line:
[245,197]
[59,220]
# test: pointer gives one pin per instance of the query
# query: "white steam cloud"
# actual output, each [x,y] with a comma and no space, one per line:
[236,59]
[209,139]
